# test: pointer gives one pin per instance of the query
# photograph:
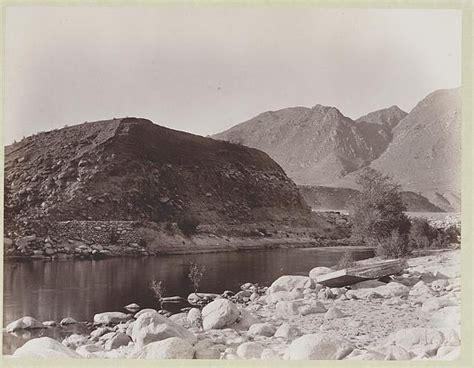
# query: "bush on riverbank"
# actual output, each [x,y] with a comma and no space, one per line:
[378,215]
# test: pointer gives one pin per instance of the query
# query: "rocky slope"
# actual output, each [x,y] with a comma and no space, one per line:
[330,198]
[321,147]
[133,170]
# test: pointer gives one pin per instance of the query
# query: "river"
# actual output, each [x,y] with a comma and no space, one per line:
[82,288]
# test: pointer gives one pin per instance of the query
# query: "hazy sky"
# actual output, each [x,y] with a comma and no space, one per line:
[204,69]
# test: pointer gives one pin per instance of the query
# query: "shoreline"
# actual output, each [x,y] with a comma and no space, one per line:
[420,303]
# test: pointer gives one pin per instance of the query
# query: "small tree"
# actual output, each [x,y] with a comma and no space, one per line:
[196,272]
[158,291]
[378,211]
[394,246]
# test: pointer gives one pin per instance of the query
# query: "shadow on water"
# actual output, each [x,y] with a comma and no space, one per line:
[82,288]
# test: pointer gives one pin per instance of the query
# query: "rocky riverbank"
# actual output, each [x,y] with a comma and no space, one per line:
[416,316]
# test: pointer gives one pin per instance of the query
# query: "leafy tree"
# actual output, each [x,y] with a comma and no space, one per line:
[379,212]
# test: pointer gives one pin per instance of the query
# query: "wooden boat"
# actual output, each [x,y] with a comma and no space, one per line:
[353,275]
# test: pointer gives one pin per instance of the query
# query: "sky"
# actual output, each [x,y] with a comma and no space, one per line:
[203,69]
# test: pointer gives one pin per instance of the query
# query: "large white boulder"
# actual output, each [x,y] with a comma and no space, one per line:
[322,346]
[24,323]
[44,347]
[109,318]
[194,317]
[262,329]
[119,339]
[288,283]
[446,317]
[219,314]
[171,348]
[411,338]
[154,327]
[250,350]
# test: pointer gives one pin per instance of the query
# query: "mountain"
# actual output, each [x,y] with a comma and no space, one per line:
[315,146]
[329,198]
[132,169]
[321,147]
[425,153]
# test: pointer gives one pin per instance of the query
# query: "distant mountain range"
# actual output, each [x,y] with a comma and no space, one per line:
[320,147]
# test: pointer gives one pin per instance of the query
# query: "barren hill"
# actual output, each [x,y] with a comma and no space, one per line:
[321,147]
[315,146]
[132,169]
[425,153]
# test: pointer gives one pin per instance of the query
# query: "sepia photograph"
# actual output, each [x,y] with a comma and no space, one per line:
[228,181]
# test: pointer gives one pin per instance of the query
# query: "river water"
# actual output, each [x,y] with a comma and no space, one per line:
[82,288]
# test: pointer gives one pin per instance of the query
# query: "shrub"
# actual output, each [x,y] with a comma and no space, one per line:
[188,225]
[453,233]
[346,261]
[158,291]
[422,234]
[395,246]
[196,273]
[379,209]
[142,243]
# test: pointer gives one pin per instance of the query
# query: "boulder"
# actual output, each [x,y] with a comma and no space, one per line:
[50,323]
[448,353]
[287,331]
[44,347]
[446,317]
[288,283]
[194,317]
[109,318]
[410,338]
[319,271]
[434,304]
[269,354]
[420,289]
[208,352]
[245,320]
[75,340]
[262,329]
[97,333]
[393,352]
[132,307]
[24,323]
[119,339]
[154,327]
[67,321]
[180,319]
[333,313]
[171,348]
[195,299]
[219,314]
[144,311]
[322,346]
[250,350]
